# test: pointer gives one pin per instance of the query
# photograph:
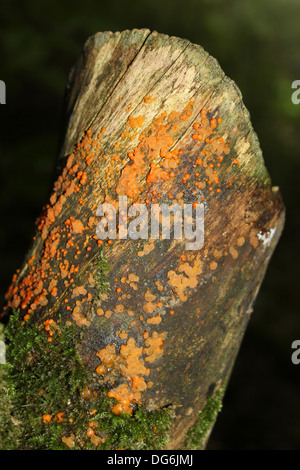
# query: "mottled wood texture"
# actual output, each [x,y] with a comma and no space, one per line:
[181,313]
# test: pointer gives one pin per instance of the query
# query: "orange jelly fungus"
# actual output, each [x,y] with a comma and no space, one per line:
[153,162]
[59,417]
[129,361]
[39,284]
[46,418]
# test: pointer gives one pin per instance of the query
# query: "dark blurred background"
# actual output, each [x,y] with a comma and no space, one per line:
[257,43]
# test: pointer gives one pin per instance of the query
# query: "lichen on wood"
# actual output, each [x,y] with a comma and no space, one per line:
[154,119]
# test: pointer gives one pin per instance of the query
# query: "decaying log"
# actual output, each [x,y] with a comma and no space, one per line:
[154,118]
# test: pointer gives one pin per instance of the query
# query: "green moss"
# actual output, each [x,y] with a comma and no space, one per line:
[9,427]
[197,434]
[47,378]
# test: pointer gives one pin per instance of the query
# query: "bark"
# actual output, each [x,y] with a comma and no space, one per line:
[154,118]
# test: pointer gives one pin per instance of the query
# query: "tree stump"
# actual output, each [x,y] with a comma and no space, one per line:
[153,119]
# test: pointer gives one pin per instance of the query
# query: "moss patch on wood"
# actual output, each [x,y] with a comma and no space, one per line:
[8,428]
[196,436]
[54,401]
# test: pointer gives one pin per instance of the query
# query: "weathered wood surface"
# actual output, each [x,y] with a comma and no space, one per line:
[135,99]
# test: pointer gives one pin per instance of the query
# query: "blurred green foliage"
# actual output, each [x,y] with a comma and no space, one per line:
[257,43]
